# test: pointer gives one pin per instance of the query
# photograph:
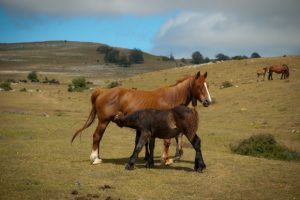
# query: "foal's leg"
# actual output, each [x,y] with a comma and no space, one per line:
[97,136]
[150,161]
[199,162]
[179,151]
[165,157]
[137,137]
[142,140]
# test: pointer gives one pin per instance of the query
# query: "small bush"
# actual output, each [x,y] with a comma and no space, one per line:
[78,85]
[113,84]
[23,90]
[33,77]
[6,86]
[226,84]
[264,145]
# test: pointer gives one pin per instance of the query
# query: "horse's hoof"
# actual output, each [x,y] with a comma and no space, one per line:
[199,170]
[169,161]
[97,161]
[129,166]
[149,165]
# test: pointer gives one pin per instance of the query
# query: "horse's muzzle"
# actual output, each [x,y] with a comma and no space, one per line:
[205,103]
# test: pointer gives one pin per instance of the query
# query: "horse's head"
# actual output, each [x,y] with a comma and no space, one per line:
[200,90]
[119,119]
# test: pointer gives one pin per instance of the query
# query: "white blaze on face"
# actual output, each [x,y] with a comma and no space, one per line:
[209,98]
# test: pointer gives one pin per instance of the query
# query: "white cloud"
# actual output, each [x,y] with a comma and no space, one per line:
[223,33]
[231,26]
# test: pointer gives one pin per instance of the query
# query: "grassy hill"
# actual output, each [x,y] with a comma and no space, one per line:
[78,58]
[38,162]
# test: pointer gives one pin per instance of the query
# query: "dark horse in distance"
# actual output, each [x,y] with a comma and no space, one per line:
[279,69]
[106,103]
[163,124]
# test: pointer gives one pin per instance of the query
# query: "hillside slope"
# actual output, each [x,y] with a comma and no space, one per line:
[67,56]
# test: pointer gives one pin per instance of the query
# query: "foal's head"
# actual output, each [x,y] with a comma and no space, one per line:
[200,90]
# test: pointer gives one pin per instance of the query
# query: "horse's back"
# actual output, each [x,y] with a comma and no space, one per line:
[110,101]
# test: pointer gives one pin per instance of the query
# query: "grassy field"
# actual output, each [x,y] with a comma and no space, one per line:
[38,161]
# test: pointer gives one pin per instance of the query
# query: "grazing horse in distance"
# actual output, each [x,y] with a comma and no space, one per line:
[261,72]
[106,103]
[279,69]
[163,124]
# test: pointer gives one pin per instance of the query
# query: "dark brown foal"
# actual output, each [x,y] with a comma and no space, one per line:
[163,124]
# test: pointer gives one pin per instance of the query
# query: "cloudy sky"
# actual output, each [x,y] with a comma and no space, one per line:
[161,27]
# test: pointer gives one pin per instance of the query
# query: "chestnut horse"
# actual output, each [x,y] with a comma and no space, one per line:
[106,103]
[279,69]
[261,72]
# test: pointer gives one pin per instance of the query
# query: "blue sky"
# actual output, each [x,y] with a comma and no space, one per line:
[122,31]
[237,27]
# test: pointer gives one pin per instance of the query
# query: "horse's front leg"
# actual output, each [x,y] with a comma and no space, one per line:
[270,76]
[199,162]
[165,157]
[142,140]
[179,151]
[137,137]
[97,136]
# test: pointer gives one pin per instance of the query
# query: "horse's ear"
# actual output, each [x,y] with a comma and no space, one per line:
[198,75]
[205,75]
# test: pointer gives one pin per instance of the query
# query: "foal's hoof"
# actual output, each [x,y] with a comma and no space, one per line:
[149,164]
[129,166]
[97,161]
[199,170]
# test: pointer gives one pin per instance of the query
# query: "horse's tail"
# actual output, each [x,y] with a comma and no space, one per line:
[287,70]
[91,117]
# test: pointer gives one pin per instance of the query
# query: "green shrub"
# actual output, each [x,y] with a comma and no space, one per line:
[23,90]
[113,84]
[264,145]
[6,86]
[78,85]
[33,77]
[226,84]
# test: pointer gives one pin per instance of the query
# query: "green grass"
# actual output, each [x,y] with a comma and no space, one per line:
[38,161]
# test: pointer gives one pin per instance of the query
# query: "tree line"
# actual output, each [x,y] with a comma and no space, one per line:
[197,57]
[135,56]
[113,55]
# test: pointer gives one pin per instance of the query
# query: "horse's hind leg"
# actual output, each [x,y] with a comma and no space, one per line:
[199,162]
[165,157]
[142,140]
[179,151]
[97,136]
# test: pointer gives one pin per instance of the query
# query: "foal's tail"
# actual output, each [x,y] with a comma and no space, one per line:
[91,117]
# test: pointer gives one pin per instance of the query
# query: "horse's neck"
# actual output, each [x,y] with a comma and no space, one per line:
[178,94]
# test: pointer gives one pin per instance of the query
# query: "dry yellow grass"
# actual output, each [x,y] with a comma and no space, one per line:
[38,162]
